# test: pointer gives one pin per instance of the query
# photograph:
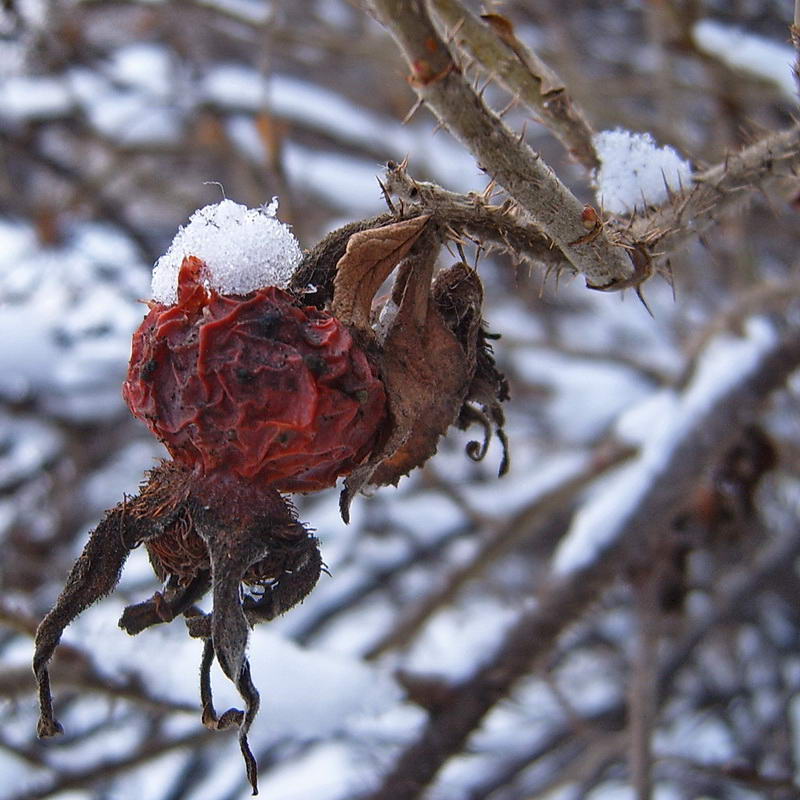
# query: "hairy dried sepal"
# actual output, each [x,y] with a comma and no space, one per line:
[230,532]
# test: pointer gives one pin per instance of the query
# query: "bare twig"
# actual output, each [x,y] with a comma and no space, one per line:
[352,595]
[794,30]
[522,72]
[475,217]
[641,697]
[719,190]
[727,606]
[79,778]
[76,670]
[521,172]
[87,190]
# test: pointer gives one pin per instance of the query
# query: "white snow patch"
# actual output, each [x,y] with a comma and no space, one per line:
[704,739]
[233,86]
[26,445]
[146,67]
[129,116]
[69,311]
[635,172]
[531,478]
[325,772]
[344,688]
[345,181]
[448,645]
[726,361]
[25,97]
[588,680]
[336,15]
[250,11]
[242,88]
[244,249]
[586,396]
[748,52]
[121,474]
[20,26]
[17,771]
[34,13]
[617,790]
[132,118]
[639,422]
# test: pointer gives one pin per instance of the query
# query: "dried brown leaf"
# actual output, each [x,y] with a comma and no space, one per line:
[426,376]
[369,259]
[426,371]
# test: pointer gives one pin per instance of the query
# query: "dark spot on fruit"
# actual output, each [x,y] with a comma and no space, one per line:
[268,324]
[315,363]
[149,370]
[244,376]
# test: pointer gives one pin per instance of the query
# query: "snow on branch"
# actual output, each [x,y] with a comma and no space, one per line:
[661,427]
[635,173]
[721,189]
[749,53]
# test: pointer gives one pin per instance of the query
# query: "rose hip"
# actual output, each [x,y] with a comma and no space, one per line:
[259,385]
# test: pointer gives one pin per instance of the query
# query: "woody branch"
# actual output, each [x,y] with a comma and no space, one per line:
[494,45]
[440,84]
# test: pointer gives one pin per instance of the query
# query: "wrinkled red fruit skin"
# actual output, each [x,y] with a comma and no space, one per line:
[255,385]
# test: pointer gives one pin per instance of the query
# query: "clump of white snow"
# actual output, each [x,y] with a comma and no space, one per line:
[761,57]
[660,426]
[244,249]
[634,172]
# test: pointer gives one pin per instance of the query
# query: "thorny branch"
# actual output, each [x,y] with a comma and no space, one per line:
[439,82]
[769,163]
[503,56]
[545,225]
[475,217]
[720,190]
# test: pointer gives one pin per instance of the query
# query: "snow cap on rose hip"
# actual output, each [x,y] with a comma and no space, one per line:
[236,374]
[243,249]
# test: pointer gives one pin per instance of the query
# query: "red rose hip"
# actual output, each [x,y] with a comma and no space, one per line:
[256,385]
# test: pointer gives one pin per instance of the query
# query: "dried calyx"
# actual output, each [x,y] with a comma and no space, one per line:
[279,390]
